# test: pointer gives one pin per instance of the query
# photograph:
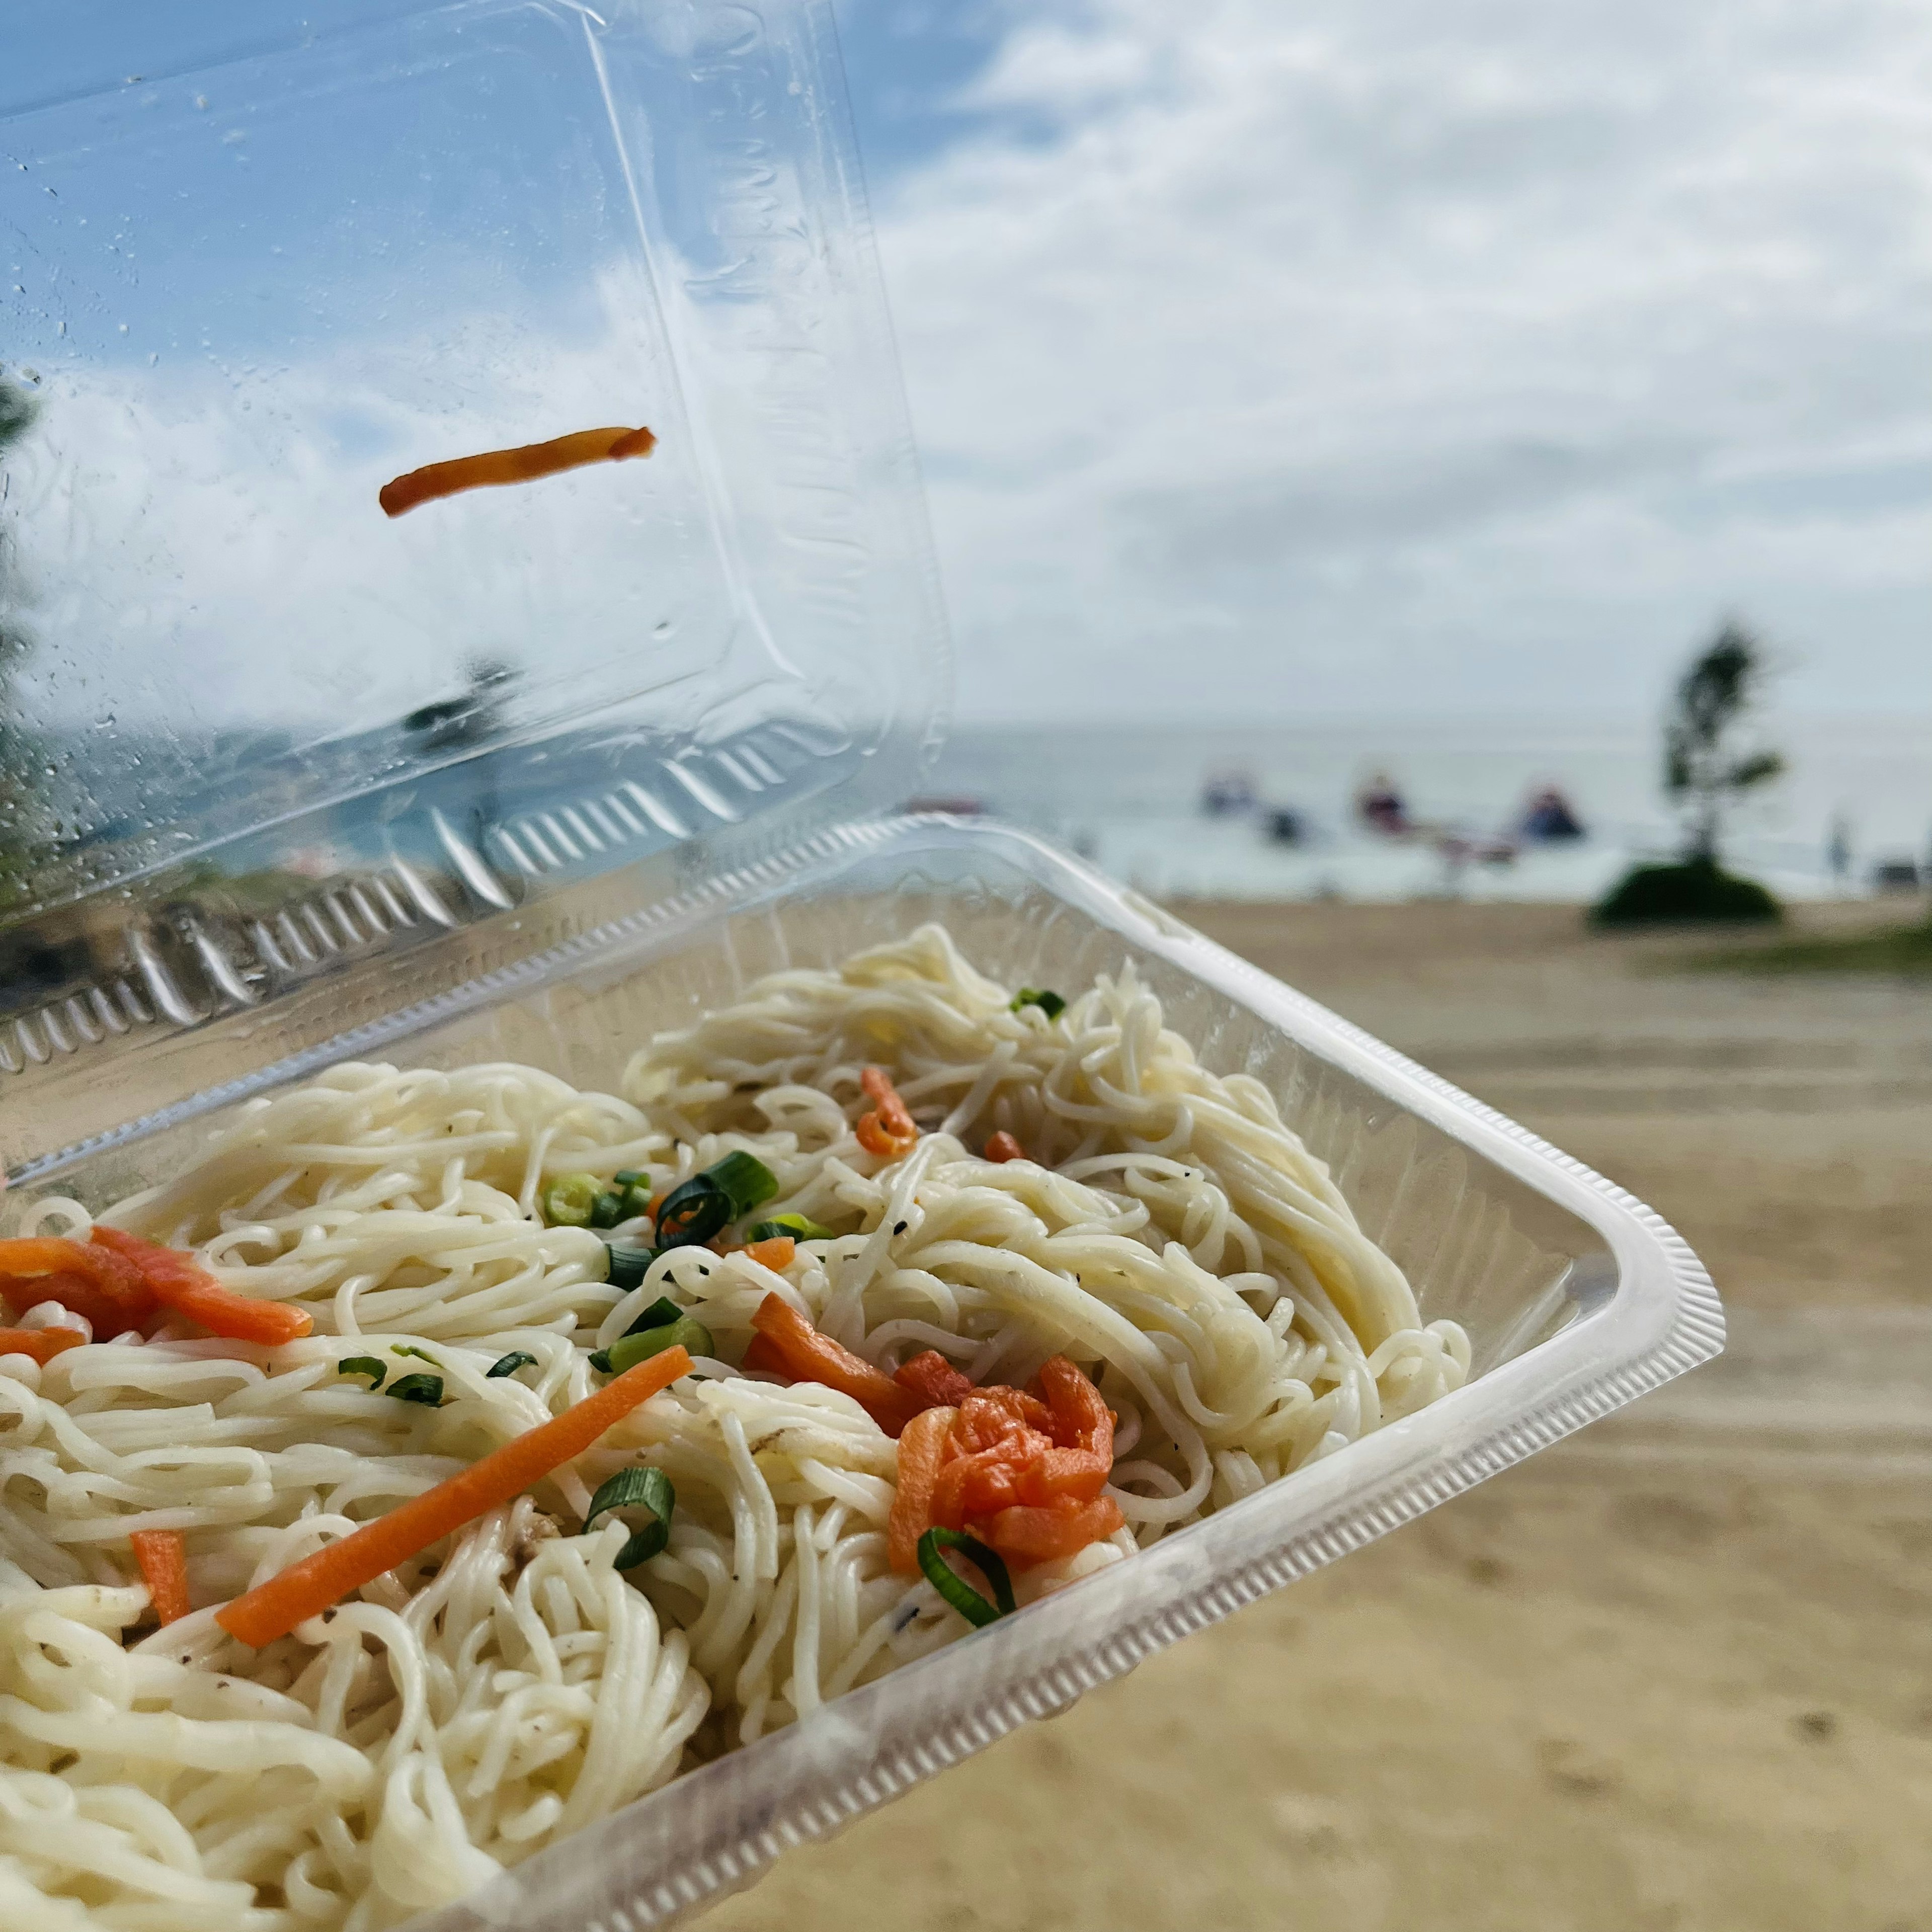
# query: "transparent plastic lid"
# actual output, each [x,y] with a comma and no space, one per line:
[260,260]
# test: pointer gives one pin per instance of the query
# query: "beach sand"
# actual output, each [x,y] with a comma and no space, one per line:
[1674,1675]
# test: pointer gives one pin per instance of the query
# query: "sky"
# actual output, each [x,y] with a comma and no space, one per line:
[1306,359]
[1279,360]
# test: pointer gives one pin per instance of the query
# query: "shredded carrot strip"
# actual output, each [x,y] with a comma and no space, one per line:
[776,1252]
[763,1356]
[933,1380]
[95,1282]
[43,1344]
[180,1282]
[1025,1535]
[523,464]
[1025,1471]
[923,1449]
[306,1588]
[163,1556]
[889,1130]
[809,1356]
[1002,1147]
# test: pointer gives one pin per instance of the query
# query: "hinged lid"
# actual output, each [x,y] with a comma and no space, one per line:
[269,759]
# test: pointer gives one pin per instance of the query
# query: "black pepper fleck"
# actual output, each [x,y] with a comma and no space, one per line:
[898,1227]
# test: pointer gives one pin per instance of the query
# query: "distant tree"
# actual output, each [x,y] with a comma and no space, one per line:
[1703,769]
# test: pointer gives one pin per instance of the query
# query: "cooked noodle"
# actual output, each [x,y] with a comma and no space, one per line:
[1167,1231]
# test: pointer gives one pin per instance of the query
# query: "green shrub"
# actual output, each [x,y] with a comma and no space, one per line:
[1697,891]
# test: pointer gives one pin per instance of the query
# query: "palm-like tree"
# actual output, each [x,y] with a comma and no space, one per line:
[1703,771]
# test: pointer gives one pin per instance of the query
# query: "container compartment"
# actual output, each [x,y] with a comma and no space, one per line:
[1577,1298]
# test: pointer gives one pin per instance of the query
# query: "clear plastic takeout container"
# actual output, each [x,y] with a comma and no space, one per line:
[561,767]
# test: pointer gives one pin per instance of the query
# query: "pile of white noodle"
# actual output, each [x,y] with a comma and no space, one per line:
[1167,1231]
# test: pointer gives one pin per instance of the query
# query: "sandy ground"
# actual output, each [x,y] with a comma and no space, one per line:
[1674,1676]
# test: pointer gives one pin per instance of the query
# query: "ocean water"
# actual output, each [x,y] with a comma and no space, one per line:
[1131,800]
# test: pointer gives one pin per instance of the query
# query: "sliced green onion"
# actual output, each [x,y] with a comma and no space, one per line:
[638,1487]
[692,1212]
[427,1390]
[632,1177]
[954,1587]
[748,1181]
[405,1349]
[600,1360]
[693,1336]
[568,1200]
[607,1210]
[797,1225]
[509,1365]
[1050,1004]
[706,1204]
[661,1312]
[635,1203]
[363,1365]
[628,1266]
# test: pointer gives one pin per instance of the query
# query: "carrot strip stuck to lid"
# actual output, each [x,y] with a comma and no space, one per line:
[523,464]
[306,1588]
[163,1556]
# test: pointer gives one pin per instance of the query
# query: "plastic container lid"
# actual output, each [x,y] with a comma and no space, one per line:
[254,734]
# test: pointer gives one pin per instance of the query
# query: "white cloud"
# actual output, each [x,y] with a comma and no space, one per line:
[1363,354]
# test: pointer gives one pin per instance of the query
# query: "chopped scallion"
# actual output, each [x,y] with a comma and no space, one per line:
[954,1587]
[427,1390]
[636,1488]
[405,1349]
[797,1225]
[693,1336]
[662,1311]
[748,1181]
[628,1266]
[363,1365]
[569,1201]
[692,1212]
[509,1365]
[1050,1004]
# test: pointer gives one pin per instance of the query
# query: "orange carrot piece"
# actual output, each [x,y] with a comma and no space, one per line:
[763,1356]
[93,1281]
[163,1556]
[933,1380]
[523,464]
[43,1344]
[809,1356]
[922,1447]
[889,1130]
[1081,1420]
[180,1283]
[1002,1147]
[306,1588]
[1025,1536]
[776,1252]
